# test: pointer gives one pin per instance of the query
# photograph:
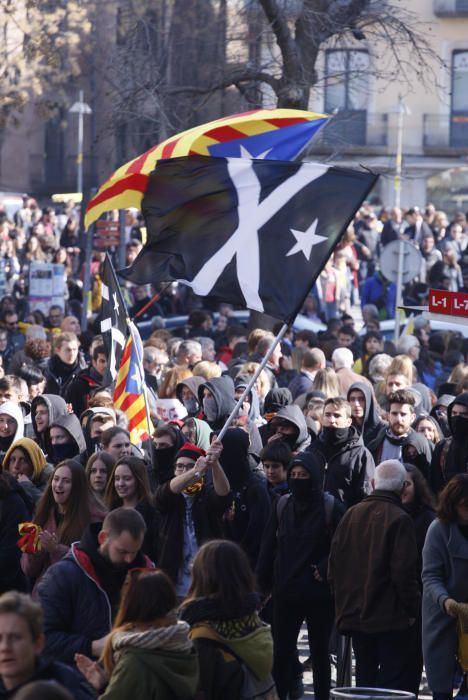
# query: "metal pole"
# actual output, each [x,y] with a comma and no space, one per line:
[399,153]
[254,378]
[122,252]
[79,157]
[86,238]
[399,285]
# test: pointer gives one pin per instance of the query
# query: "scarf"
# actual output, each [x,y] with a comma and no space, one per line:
[171,638]
[398,441]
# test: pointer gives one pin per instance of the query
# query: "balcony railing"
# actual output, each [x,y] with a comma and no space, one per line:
[442,132]
[352,131]
[451,8]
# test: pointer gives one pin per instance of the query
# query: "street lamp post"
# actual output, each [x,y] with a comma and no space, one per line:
[80,108]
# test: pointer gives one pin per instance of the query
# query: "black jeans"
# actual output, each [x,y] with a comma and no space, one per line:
[385,660]
[287,620]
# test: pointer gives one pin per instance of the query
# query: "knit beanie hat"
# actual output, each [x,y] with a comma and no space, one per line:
[191,451]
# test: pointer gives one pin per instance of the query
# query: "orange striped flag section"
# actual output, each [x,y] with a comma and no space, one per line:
[278,134]
[129,394]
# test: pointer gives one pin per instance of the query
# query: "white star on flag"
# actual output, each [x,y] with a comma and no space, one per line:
[246,154]
[116,303]
[305,240]
[137,379]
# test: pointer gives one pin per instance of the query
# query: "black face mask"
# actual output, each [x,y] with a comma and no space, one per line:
[94,444]
[332,435]
[418,461]
[61,452]
[304,490]
[459,427]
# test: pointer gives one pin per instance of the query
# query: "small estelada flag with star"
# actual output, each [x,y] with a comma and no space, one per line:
[254,233]
[114,315]
[129,392]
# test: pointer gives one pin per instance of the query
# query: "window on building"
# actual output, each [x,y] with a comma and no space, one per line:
[346,91]
[459,111]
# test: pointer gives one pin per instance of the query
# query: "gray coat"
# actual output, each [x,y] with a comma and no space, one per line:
[444,575]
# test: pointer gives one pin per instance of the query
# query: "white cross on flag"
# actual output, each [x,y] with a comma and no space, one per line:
[254,233]
[113,319]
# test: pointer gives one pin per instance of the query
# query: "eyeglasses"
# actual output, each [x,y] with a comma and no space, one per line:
[183,467]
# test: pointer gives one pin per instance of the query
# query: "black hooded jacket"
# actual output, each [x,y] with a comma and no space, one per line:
[245,521]
[423,448]
[294,415]
[59,375]
[348,466]
[192,383]
[297,539]
[451,455]
[222,390]
[373,427]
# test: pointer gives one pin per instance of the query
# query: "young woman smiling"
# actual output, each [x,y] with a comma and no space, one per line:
[128,486]
[65,509]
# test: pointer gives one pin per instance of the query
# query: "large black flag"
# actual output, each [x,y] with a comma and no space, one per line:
[114,328]
[255,233]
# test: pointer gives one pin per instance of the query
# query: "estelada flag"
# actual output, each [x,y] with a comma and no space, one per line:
[278,134]
[129,393]
[254,233]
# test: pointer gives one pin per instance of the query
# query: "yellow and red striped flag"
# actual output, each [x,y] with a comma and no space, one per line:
[129,393]
[278,134]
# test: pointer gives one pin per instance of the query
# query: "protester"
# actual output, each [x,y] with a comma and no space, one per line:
[15,509]
[25,461]
[451,454]
[64,510]
[22,641]
[80,594]
[249,510]
[98,470]
[191,506]
[444,576]
[347,465]
[128,487]
[148,653]
[293,567]
[373,573]
[365,414]
[234,646]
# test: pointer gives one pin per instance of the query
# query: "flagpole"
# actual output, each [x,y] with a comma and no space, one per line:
[252,381]
[132,329]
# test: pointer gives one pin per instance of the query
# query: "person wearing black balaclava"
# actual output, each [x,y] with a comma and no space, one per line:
[348,466]
[165,443]
[66,438]
[451,455]
[245,520]
[292,566]
[439,412]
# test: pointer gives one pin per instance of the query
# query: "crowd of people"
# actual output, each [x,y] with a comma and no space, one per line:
[185,566]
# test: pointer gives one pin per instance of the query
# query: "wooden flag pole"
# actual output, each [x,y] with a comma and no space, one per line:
[254,378]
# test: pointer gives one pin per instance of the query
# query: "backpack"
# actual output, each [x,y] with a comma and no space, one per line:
[329,503]
[253,688]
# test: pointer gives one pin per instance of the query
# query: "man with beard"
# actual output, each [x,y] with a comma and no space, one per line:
[401,415]
[80,594]
[365,414]
[451,455]
[348,466]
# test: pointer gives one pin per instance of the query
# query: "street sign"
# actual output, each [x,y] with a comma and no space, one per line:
[106,234]
[448,303]
[389,259]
